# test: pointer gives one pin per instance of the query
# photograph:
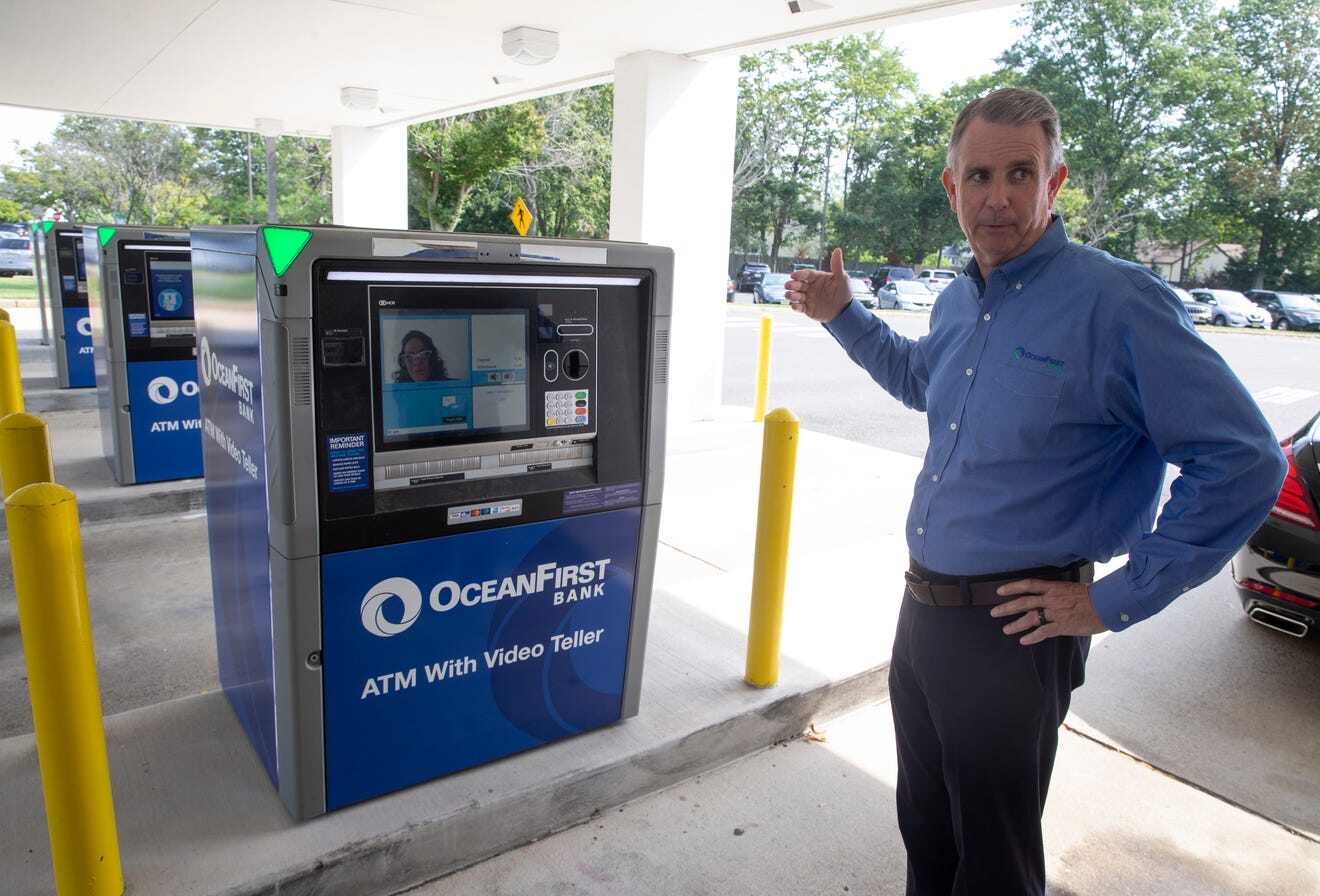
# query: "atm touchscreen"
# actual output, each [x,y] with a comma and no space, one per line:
[73,270]
[449,375]
[170,295]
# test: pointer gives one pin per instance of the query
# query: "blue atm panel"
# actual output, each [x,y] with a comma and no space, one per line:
[141,313]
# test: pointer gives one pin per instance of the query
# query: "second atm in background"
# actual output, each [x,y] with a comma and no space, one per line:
[141,310]
[65,272]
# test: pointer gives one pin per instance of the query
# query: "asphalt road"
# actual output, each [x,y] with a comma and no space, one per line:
[812,376]
[1198,692]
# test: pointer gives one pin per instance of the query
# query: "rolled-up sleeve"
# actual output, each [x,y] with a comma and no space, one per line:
[1166,384]
[897,363]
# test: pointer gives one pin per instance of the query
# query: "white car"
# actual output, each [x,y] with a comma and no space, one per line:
[906,295]
[1230,308]
[15,255]
[935,279]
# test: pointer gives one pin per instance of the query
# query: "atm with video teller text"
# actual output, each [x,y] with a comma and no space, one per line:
[433,481]
[140,304]
[64,275]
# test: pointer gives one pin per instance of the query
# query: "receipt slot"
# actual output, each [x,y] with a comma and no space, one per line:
[140,303]
[433,479]
[64,284]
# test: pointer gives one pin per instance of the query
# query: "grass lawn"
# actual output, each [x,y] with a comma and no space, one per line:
[18,288]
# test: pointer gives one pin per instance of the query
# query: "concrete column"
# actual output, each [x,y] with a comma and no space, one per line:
[369,169]
[672,186]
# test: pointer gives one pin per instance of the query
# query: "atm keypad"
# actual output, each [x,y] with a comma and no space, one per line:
[567,407]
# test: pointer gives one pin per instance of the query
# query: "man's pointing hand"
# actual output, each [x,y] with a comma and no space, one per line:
[820,295]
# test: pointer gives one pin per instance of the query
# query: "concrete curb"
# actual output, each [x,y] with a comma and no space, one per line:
[424,852]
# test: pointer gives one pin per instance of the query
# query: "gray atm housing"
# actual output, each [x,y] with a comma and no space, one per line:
[224,262]
[47,268]
[105,307]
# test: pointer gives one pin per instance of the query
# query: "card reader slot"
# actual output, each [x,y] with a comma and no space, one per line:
[510,459]
[428,468]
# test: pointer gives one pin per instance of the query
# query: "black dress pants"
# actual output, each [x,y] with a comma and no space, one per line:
[976,718]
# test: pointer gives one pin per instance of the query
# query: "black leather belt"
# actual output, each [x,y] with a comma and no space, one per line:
[936,590]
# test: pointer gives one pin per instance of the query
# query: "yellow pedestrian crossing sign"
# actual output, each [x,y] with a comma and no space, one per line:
[521,216]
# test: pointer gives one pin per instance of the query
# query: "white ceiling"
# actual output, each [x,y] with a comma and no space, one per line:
[225,63]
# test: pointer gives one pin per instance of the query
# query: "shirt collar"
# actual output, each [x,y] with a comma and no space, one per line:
[1025,266]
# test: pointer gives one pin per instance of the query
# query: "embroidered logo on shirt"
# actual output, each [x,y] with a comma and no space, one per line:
[1052,365]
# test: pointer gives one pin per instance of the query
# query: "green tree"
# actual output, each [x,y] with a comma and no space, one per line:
[898,209]
[1257,130]
[1115,70]
[450,158]
[11,211]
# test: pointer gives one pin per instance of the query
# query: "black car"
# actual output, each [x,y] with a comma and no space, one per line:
[889,274]
[1288,310]
[1277,572]
[750,275]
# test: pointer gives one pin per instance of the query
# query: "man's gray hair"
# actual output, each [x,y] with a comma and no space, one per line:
[1013,106]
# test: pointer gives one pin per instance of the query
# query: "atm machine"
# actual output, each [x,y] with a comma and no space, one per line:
[140,302]
[433,479]
[39,274]
[65,284]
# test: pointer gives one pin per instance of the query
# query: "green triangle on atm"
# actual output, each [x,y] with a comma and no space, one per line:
[46,226]
[105,234]
[283,244]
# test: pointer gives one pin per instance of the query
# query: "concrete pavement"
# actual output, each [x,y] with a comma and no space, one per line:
[811,817]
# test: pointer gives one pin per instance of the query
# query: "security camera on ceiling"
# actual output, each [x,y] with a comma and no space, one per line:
[530,46]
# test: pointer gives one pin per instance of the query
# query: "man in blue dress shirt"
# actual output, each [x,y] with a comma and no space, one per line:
[1058,382]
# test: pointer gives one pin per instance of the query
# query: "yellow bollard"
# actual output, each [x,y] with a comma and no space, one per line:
[762,370]
[774,516]
[4,315]
[46,549]
[24,452]
[11,381]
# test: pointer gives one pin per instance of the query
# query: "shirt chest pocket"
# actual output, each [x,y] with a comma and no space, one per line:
[1016,408]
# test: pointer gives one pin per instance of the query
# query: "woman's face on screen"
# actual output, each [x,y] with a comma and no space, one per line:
[417,360]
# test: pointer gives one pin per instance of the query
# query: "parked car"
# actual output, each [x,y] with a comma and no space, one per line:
[803,266]
[733,290]
[1199,312]
[862,276]
[15,255]
[861,292]
[750,274]
[906,295]
[1288,310]
[1277,572]
[770,290]
[890,274]
[1230,308]
[935,279]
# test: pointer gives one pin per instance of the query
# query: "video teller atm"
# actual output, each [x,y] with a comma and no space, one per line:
[140,302]
[433,478]
[65,277]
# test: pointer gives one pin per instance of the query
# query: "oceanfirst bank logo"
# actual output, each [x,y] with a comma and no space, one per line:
[84,326]
[570,583]
[1022,354]
[214,370]
[166,389]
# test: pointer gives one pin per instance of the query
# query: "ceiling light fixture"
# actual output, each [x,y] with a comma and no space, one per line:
[530,46]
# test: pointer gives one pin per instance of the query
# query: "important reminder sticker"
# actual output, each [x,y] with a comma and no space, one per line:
[347,456]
